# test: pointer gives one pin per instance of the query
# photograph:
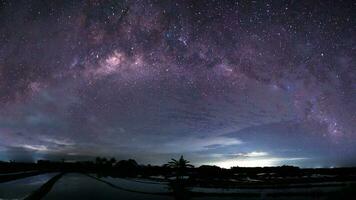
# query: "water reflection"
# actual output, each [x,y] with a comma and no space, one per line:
[20,188]
[80,186]
[180,189]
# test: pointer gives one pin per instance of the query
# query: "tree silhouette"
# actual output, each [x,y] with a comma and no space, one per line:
[98,160]
[180,166]
[104,160]
[112,161]
[179,186]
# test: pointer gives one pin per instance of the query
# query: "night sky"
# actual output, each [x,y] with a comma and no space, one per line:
[227,83]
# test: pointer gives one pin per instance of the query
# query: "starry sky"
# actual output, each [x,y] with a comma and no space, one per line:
[227,83]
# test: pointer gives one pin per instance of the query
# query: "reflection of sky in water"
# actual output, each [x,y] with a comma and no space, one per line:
[78,186]
[21,188]
[143,186]
[301,190]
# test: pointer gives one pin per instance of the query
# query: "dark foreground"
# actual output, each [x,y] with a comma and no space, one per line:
[47,180]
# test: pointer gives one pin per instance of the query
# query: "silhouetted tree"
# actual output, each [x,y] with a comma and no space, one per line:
[104,160]
[208,171]
[112,161]
[127,167]
[98,161]
[179,186]
[180,166]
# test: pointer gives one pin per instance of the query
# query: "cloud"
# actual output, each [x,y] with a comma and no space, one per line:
[17,154]
[194,144]
[236,156]
[35,147]
[253,154]
[259,161]
[250,159]
[59,142]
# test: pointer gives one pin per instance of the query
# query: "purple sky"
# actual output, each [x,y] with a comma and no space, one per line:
[248,83]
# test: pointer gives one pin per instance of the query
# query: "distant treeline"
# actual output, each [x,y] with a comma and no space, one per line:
[130,168]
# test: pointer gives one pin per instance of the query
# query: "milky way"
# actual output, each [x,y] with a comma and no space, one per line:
[246,83]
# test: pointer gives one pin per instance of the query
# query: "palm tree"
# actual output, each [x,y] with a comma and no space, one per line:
[179,165]
[179,186]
